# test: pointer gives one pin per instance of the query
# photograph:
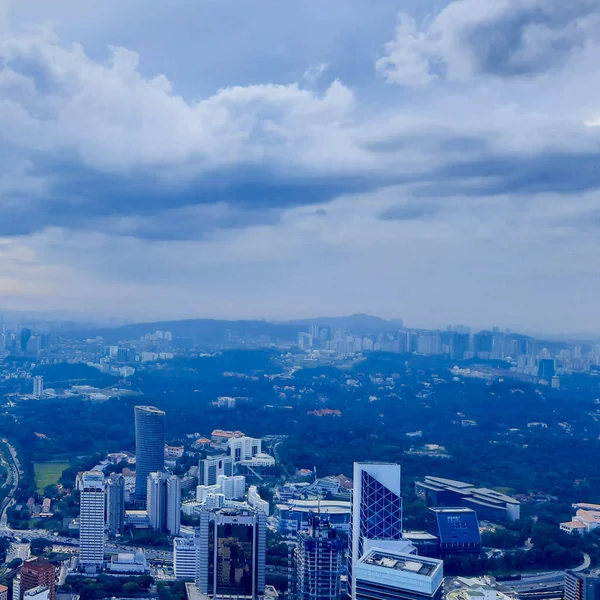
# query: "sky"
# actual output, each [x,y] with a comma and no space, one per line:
[431,160]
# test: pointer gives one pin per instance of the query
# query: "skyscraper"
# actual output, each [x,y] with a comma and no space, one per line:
[546,369]
[173,505]
[318,558]
[232,553]
[211,468]
[38,386]
[149,447]
[24,338]
[376,512]
[115,504]
[155,500]
[91,521]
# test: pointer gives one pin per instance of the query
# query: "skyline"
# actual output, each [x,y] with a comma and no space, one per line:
[432,161]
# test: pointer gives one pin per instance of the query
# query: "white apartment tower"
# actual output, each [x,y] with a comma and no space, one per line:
[38,386]
[91,521]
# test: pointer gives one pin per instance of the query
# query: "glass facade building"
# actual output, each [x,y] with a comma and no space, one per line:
[149,447]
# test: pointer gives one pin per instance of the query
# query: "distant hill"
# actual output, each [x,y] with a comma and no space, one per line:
[358,323]
[213,331]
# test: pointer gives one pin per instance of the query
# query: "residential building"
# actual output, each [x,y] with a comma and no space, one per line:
[376,511]
[210,468]
[38,386]
[173,505]
[582,586]
[38,573]
[91,521]
[115,504]
[387,575]
[16,588]
[456,528]
[546,369]
[318,557]
[233,488]
[3,592]
[149,447]
[488,504]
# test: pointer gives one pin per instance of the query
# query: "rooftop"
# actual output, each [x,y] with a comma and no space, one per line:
[410,563]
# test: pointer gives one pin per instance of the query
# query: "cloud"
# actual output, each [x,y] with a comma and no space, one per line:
[496,38]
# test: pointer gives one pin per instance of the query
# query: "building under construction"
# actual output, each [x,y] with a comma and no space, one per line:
[319,555]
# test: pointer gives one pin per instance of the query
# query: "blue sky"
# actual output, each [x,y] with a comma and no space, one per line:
[436,161]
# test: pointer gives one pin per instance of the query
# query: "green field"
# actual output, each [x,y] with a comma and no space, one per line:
[48,473]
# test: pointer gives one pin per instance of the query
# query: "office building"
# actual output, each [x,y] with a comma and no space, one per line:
[456,528]
[488,504]
[38,386]
[376,511]
[232,553]
[155,500]
[210,468]
[149,447]
[173,505]
[24,338]
[185,557]
[244,448]
[130,563]
[91,521]
[318,557]
[584,585]
[36,573]
[386,575]
[294,515]
[115,504]
[41,592]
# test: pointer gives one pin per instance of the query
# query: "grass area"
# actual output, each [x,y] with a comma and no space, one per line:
[48,473]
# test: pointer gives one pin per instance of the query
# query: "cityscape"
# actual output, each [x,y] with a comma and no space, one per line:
[298,300]
[157,508]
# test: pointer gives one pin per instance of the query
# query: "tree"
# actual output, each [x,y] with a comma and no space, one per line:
[14,563]
[131,587]
[40,546]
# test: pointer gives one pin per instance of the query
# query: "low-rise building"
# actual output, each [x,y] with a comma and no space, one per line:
[586,519]
[128,562]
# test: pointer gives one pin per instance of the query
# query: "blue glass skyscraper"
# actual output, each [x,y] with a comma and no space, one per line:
[149,447]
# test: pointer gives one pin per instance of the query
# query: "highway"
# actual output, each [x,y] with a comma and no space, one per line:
[14,477]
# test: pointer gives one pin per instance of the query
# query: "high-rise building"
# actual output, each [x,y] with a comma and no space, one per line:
[155,500]
[459,345]
[91,521]
[376,511]
[456,528]
[173,505]
[149,447]
[211,468]
[24,338]
[546,369]
[185,557]
[16,588]
[38,386]
[318,556]
[232,553]
[115,504]
[582,586]
[233,488]
[3,592]
[35,573]
[388,575]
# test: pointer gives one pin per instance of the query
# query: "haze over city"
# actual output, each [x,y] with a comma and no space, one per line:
[435,161]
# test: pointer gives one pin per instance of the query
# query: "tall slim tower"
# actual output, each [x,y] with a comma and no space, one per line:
[173,508]
[91,521]
[155,500]
[149,447]
[318,555]
[376,512]
[38,386]
[115,504]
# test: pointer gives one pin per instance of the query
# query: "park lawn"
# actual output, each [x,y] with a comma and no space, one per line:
[48,473]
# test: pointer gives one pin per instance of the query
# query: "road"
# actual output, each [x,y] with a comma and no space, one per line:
[14,477]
